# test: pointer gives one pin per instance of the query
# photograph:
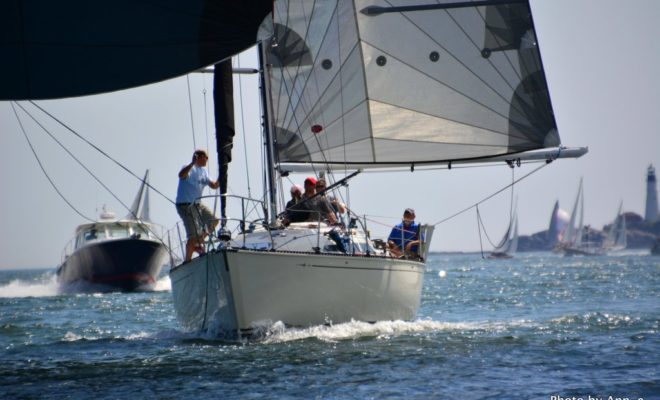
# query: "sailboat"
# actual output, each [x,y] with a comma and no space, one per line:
[573,243]
[558,222]
[119,254]
[346,87]
[509,243]
[616,238]
[344,91]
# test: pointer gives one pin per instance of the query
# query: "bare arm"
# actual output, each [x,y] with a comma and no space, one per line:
[214,184]
[183,174]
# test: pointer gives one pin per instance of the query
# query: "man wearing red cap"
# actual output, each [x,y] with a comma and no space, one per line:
[311,207]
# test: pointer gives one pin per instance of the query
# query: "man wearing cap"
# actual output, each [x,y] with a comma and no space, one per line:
[197,218]
[312,207]
[404,238]
[337,206]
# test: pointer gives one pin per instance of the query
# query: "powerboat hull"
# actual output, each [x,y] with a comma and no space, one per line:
[232,291]
[120,264]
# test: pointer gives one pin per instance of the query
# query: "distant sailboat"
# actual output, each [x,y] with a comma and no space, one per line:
[616,238]
[572,242]
[558,222]
[509,243]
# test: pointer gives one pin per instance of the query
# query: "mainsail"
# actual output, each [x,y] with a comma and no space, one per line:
[406,83]
[509,243]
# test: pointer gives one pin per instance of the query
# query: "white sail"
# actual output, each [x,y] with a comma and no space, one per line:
[355,85]
[616,238]
[140,207]
[573,233]
[513,247]
[509,243]
[577,242]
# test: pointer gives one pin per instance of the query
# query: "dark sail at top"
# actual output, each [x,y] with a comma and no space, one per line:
[55,49]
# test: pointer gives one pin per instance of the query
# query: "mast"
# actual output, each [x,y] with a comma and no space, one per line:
[271,187]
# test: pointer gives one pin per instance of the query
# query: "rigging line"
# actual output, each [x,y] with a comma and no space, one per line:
[490,196]
[334,15]
[76,159]
[343,122]
[301,98]
[20,123]
[485,231]
[92,145]
[481,245]
[206,120]
[513,180]
[147,226]
[240,97]
[295,120]
[297,75]
[320,96]
[192,121]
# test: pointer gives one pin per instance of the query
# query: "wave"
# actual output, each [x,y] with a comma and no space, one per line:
[42,286]
[596,320]
[278,333]
[163,284]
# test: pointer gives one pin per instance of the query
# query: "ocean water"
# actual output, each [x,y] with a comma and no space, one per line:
[535,327]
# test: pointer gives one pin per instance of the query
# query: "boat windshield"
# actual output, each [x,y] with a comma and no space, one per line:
[142,230]
[118,231]
[89,235]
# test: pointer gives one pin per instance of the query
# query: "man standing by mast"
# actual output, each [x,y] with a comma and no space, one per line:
[197,218]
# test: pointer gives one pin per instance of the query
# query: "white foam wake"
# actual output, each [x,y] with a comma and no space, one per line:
[45,286]
[163,284]
[356,329]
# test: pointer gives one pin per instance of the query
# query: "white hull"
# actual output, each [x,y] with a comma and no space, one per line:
[232,290]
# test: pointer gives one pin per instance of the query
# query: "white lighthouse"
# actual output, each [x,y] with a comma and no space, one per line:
[651,214]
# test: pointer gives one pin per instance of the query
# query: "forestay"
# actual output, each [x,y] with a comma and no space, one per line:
[406,87]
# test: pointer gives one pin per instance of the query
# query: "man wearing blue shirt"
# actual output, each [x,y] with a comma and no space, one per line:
[404,238]
[197,218]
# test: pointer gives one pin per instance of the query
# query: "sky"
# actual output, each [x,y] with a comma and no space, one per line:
[601,58]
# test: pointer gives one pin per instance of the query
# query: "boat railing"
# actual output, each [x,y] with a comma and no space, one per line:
[352,228]
[252,215]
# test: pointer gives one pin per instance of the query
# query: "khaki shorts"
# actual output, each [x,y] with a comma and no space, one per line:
[197,218]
